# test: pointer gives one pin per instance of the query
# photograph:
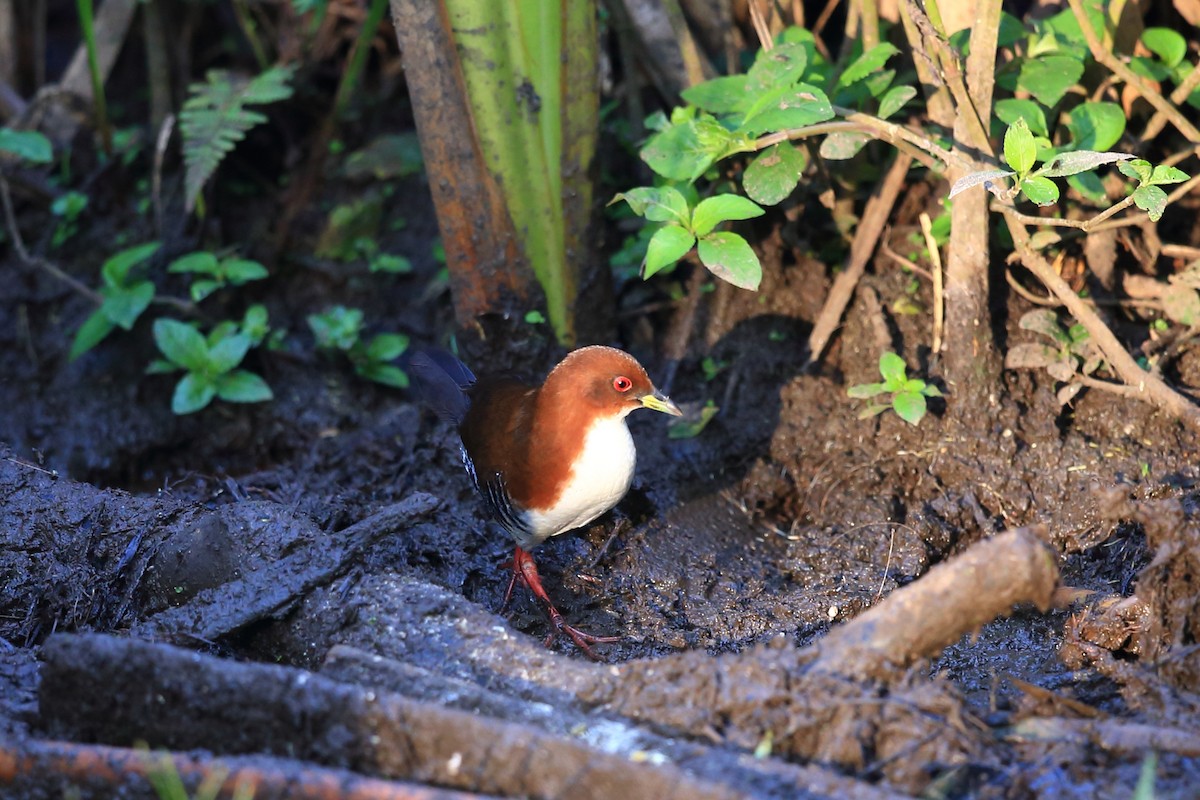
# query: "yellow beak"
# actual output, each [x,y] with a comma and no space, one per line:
[660,402]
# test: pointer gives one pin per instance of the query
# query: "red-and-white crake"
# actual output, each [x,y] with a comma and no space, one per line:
[546,459]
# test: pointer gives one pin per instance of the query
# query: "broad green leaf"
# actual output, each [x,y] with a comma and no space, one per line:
[386,346]
[69,205]
[203,288]
[976,178]
[867,63]
[842,145]
[894,100]
[192,393]
[391,263]
[241,386]
[160,366]
[30,146]
[878,83]
[1182,304]
[254,323]
[773,175]
[797,107]
[1150,68]
[910,406]
[123,306]
[181,344]
[864,391]
[668,244]
[1048,77]
[387,374]
[678,153]
[116,269]
[780,66]
[1096,126]
[929,390]
[1042,191]
[1152,200]
[220,332]
[242,270]
[722,95]
[1076,161]
[873,410]
[199,261]
[227,353]
[1165,43]
[892,368]
[1163,174]
[1011,109]
[712,211]
[1045,322]
[1019,150]
[93,331]
[1089,185]
[1139,169]
[730,258]
[336,328]
[1011,30]
[689,428]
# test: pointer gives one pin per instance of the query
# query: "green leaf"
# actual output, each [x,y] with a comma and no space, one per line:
[202,289]
[1139,169]
[337,328]
[894,100]
[842,145]
[730,258]
[1019,150]
[668,244]
[722,95]
[535,317]
[1048,77]
[1165,43]
[1089,185]
[28,145]
[160,366]
[678,154]
[1182,304]
[975,178]
[1045,322]
[228,353]
[243,270]
[192,393]
[116,269]
[181,344]
[773,175]
[93,331]
[1011,109]
[714,210]
[873,410]
[386,346]
[1041,191]
[780,66]
[391,263]
[123,306]
[795,108]
[199,261]
[254,323]
[1163,175]
[387,374]
[241,386]
[1076,161]
[867,63]
[910,406]
[892,368]
[864,391]
[1152,200]
[684,428]
[1096,126]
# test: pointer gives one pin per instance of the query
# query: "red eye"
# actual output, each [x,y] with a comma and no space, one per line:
[622,384]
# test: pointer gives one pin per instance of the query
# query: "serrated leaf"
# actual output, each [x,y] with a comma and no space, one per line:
[228,353]
[243,270]
[714,210]
[1076,161]
[241,386]
[865,391]
[867,63]
[1163,175]
[773,175]
[1011,109]
[1019,149]
[910,406]
[892,368]
[794,108]
[1139,169]
[1096,126]
[730,258]
[29,146]
[123,306]
[1182,304]
[1042,191]
[668,244]
[1048,77]
[181,344]
[199,261]
[976,178]
[192,393]
[93,331]
[894,99]
[1152,200]
[1165,43]
[722,95]
[842,145]
[386,346]
[1030,355]
[115,271]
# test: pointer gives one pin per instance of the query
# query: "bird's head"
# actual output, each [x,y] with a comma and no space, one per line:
[607,380]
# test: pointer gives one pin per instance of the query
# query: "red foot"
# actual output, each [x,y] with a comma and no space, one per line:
[525,570]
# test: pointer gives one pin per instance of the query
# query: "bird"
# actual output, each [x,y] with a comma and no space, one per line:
[545,459]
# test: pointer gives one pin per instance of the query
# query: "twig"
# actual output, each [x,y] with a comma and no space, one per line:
[1085,225]
[1182,92]
[935,267]
[886,249]
[1120,389]
[14,232]
[1028,295]
[160,151]
[1181,251]
[1139,218]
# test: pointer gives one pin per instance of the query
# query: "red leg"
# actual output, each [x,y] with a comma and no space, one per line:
[525,569]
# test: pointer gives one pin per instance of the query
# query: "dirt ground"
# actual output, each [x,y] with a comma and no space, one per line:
[325,562]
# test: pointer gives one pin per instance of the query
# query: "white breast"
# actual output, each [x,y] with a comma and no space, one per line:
[601,477]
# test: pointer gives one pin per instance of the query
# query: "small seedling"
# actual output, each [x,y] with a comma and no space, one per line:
[210,365]
[535,317]
[123,298]
[1069,354]
[907,394]
[68,207]
[216,272]
[340,329]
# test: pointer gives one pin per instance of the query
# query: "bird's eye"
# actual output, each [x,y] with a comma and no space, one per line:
[622,384]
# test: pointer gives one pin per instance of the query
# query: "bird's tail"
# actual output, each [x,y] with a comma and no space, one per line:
[441,382]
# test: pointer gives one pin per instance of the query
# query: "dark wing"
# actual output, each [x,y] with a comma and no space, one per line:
[497,500]
[494,431]
[441,382]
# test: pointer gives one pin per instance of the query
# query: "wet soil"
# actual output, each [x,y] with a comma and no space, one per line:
[334,531]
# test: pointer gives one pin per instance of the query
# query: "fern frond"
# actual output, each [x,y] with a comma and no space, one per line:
[214,119]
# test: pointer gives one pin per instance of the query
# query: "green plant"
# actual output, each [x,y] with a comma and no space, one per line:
[209,363]
[67,207]
[216,272]
[123,298]
[340,328]
[689,427]
[1070,357]
[215,118]
[87,26]
[168,785]
[907,394]
[29,146]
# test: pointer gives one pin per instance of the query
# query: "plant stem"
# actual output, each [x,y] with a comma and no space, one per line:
[358,57]
[87,23]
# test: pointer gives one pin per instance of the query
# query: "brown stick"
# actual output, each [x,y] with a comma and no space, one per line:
[874,218]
